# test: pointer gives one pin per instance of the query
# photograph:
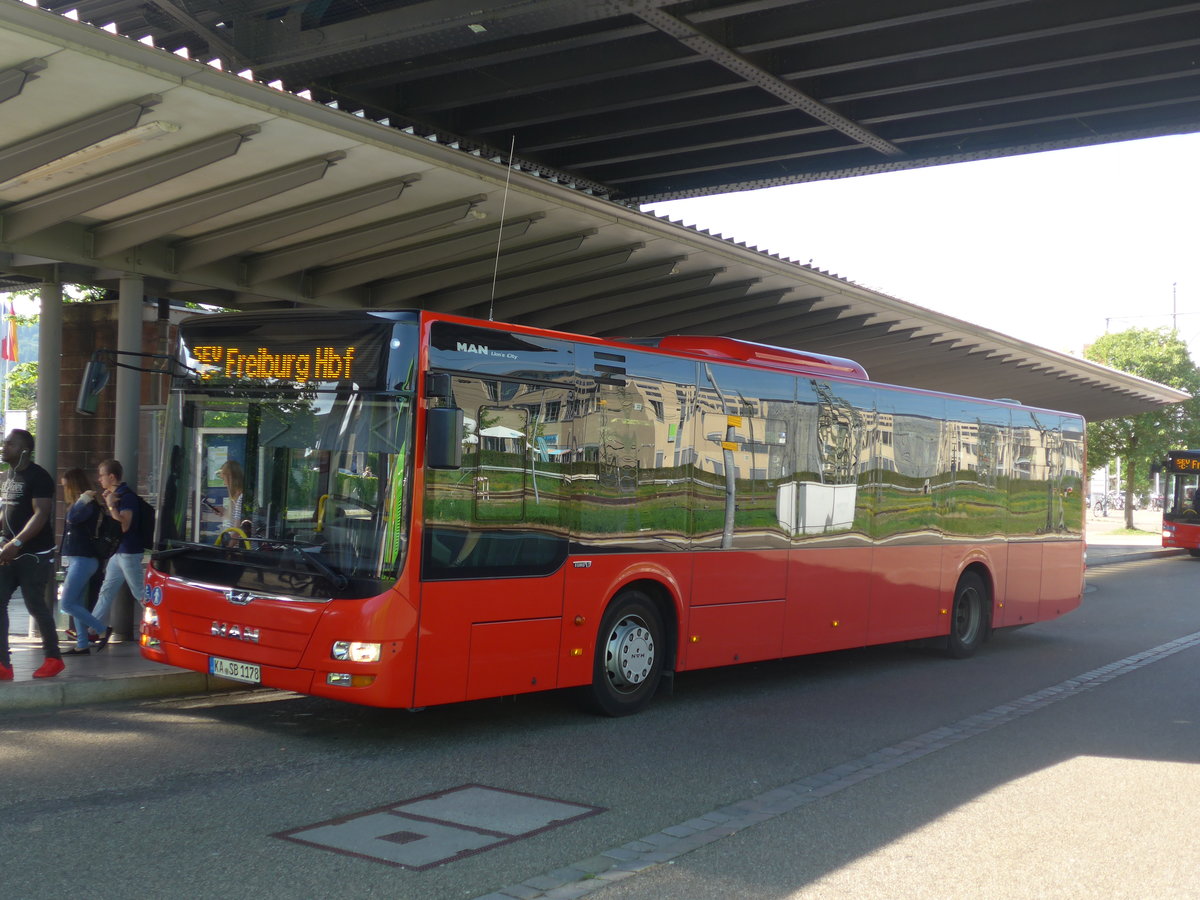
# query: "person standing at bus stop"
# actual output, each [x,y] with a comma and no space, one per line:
[79,555]
[125,565]
[27,557]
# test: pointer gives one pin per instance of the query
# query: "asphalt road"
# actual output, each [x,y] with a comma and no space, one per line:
[1059,762]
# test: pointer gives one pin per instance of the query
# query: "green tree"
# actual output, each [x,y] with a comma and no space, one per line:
[1138,441]
[22,386]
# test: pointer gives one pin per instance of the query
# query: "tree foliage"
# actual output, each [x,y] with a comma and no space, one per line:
[22,386]
[1139,441]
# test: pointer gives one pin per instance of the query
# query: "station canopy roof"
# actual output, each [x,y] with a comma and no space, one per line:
[375,168]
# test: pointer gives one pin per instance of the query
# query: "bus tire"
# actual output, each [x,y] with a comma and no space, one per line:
[1193,552]
[968,617]
[630,649]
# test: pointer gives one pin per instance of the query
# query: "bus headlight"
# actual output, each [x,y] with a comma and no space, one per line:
[149,616]
[356,651]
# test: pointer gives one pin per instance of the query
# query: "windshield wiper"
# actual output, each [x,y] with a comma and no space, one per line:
[182,547]
[339,580]
[297,548]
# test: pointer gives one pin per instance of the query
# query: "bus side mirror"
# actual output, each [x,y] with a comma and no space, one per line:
[443,437]
[439,386]
[95,377]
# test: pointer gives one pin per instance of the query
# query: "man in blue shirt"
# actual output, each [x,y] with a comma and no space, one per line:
[125,565]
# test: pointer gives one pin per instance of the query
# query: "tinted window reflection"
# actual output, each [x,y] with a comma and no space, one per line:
[633,451]
[623,450]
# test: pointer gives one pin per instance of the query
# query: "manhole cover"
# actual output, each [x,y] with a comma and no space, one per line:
[438,828]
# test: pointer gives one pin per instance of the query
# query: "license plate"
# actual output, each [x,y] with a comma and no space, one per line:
[234,670]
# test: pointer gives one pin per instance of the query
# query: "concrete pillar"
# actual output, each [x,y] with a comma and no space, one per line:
[129,381]
[49,385]
[50,339]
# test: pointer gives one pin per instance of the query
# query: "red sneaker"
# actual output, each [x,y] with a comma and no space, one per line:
[6,673]
[50,668]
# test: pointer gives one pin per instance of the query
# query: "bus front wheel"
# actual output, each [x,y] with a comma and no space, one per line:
[630,648]
[968,618]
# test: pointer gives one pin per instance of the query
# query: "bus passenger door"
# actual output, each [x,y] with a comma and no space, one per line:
[215,447]
[492,553]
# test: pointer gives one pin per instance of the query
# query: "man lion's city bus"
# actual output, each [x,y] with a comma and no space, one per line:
[438,509]
[1181,503]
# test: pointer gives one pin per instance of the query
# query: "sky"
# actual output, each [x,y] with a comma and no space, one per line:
[1053,248]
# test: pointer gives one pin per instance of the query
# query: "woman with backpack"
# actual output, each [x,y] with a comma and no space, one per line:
[80,555]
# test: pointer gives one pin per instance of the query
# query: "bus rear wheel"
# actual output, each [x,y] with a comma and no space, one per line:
[630,649]
[968,618]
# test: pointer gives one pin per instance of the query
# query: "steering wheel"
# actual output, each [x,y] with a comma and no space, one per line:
[237,533]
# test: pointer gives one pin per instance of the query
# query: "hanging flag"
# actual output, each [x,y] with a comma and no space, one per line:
[8,344]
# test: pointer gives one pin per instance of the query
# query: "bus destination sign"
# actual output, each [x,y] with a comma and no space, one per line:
[261,364]
[1183,463]
[278,351]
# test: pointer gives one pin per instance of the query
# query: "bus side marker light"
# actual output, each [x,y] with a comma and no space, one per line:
[695,639]
[579,620]
[835,623]
[945,612]
[577,651]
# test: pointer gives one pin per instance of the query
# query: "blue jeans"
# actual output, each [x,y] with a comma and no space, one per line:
[122,568]
[73,600]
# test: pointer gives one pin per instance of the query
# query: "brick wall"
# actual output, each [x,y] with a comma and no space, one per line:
[84,441]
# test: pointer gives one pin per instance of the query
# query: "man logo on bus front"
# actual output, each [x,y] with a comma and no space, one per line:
[236,632]
[240,598]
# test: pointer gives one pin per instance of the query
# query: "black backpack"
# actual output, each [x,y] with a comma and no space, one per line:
[145,523]
[107,535]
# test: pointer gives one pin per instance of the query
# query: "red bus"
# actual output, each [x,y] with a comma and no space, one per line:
[437,509]
[1181,500]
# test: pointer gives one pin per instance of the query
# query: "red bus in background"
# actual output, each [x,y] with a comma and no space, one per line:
[1181,500]
[438,509]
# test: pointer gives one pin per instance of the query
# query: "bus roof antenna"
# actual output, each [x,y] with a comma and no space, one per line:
[500,234]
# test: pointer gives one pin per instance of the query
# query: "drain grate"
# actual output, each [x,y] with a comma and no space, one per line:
[440,828]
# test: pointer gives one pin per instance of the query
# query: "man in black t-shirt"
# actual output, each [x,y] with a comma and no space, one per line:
[27,554]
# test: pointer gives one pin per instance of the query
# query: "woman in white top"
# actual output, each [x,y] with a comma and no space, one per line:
[231,512]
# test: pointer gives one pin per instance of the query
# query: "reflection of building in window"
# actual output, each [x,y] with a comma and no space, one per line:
[839,436]
[987,454]
[1052,444]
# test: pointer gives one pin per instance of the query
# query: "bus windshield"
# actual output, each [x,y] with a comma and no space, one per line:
[295,492]
[1183,482]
